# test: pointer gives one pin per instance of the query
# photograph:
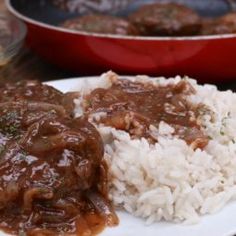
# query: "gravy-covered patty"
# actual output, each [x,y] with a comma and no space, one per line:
[223,25]
[53,178]
[101,24]
[30,90]
[166,20]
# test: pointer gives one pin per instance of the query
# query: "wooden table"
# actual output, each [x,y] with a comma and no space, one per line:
[27,65]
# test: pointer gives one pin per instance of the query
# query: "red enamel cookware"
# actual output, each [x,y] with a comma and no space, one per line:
[207,58]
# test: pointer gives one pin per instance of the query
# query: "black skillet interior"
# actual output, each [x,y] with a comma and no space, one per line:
[45,11]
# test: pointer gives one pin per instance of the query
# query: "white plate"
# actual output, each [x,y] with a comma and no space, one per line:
[222,223]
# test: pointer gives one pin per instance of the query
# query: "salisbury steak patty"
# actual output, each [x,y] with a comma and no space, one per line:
[101,24]
[53,178]
[223,25]
[166,20]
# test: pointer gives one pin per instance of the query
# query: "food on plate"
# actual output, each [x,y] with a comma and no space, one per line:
[101,24]
[166,20]
[30,91]
[53,174]
[155,172]
[222,25]
[134,107]
[157,148]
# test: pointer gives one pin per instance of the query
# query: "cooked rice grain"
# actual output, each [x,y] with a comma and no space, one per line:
[170,180]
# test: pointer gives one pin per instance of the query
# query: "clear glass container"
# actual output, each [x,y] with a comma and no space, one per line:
[12,35]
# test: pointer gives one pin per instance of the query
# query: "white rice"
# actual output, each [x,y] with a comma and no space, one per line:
[170,180]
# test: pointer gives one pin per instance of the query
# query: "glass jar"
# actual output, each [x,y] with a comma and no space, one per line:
[12,35]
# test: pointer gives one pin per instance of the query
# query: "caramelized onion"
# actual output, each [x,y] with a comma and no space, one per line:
[40,232]
[36,193]
[10,193]
[104,208]
[68,101]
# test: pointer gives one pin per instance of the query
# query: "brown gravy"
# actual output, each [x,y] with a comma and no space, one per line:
[53,179]
[134,106]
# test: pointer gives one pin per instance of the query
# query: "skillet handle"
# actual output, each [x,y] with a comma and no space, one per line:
[232,4]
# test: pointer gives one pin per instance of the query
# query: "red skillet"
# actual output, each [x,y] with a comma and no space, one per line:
[207,58]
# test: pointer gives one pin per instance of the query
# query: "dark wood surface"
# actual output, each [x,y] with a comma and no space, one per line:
[27,65]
